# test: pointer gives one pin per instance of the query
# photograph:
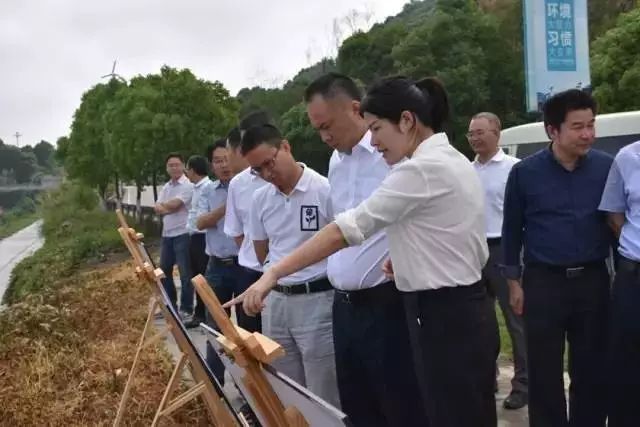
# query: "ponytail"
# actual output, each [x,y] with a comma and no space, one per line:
[426,98]
[438,101]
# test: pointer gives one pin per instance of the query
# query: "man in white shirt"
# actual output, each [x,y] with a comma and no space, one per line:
[173,205]
[493,167]
[237,217]
[376,379]
[197,172]
[284,215]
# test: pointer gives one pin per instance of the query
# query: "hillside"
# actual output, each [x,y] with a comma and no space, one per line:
[474,47]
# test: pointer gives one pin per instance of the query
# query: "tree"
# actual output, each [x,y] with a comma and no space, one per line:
[25,168]
[160,113]
[62,145]
[18,164]
[367,56]
[603,14]
[86,151]
[615,65]
[463,46]
[44,153]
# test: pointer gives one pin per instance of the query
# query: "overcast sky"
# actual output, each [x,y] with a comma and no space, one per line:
[51,51]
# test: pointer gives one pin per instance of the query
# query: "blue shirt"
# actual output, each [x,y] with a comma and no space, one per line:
[195,210]
[622,195]
[554,212]
[218,244]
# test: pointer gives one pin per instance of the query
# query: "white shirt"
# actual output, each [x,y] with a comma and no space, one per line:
[289,221]
[238,214]
[194,213]
[175,224]
[433,210]
[493,176]
[353,178]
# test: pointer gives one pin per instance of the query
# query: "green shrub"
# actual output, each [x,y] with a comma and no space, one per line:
[75,230]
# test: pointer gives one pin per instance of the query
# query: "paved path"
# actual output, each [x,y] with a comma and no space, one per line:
[15,248]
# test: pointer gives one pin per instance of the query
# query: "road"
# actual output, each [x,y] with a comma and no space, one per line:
[15,248]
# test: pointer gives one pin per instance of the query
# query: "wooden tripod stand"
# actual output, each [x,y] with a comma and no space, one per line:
[250,351]
[218,407]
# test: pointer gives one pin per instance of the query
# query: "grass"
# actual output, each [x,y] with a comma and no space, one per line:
[65,353]
[70,331]
[76,231]
[16,223]
[506,346]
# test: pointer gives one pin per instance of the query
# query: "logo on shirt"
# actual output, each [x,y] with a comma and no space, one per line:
[308,218]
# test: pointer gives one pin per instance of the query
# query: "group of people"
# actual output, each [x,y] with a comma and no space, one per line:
[380,280]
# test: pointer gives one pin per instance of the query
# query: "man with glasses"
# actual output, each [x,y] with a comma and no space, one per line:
[239,200]
[493,167]
[173,205]
[284,215]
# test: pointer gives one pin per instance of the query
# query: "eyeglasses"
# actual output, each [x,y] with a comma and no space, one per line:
[478,133]
[220,162]
[266,166]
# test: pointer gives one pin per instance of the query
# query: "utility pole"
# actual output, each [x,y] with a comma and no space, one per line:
[17,135]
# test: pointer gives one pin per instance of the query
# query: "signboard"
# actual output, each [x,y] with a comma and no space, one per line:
[316,411]
[556,48]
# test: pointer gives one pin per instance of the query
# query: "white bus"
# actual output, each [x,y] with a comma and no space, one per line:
[613,131]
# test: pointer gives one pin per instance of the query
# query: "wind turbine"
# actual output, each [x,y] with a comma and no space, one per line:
[113,74]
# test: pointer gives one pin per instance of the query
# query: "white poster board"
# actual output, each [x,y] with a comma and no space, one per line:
[316,411]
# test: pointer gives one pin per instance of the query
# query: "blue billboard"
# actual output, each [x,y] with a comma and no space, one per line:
[556,48]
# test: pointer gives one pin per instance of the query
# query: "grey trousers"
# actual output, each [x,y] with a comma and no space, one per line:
[499,289]
[303,326]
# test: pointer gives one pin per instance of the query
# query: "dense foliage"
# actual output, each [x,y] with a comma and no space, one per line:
[122,130]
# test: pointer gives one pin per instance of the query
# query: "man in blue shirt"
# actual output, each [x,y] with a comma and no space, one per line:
[621,199]
[551,209]
[222,269]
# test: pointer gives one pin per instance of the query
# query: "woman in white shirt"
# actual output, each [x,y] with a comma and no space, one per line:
[431,206]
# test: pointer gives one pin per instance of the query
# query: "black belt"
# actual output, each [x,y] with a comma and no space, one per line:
[319,285]
[569,271]
[382,293]
[494,241]
[228,261]
[628,265]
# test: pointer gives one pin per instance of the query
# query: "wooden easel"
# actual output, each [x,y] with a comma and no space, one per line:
[220,412]
[250,351]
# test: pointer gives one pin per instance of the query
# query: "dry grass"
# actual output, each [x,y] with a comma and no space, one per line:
[65,354]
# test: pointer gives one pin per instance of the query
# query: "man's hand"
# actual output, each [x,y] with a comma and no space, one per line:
[252,298]
[387,269]
[210,219]
[159,209]
[516,296]
[201,222]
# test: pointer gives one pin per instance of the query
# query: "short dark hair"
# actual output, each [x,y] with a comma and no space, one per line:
[332,84]
[233,138]
[256,135]
[198,164]
[425,98]
[256,118]
[556,108]
[219,143]
[172,156]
